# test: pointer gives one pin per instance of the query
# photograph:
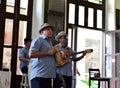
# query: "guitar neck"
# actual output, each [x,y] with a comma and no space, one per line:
[87,51]
[69,53]
[79,52]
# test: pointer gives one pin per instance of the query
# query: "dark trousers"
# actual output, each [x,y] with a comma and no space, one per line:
[41,83]
[24,69]
[62,80]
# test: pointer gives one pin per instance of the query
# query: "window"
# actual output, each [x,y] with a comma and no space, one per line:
[81,15]
[23,7]
[8,32]
[86,14]
[95,1]
[15,22]
[10,6]
[72,13]
[90,17]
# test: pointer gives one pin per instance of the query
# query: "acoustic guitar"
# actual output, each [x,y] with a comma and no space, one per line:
[60,60]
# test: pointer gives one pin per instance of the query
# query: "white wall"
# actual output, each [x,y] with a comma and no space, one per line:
[110,15]
[117,4]
[38,16]
[111,6]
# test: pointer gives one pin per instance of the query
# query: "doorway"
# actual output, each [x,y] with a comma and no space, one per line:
[16,24]
[80,40]
[112,57]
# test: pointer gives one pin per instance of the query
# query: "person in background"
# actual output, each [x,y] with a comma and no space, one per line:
[24,55]
[42,58]
[64,73]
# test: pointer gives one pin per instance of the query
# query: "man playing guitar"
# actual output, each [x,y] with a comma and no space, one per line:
[64,71]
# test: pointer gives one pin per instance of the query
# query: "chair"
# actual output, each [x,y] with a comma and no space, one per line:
[94,74]
[24,82]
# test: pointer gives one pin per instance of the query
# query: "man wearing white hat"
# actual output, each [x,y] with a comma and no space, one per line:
[42,58]
[65,71]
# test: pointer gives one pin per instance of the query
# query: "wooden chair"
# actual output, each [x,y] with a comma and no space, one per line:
[94,74]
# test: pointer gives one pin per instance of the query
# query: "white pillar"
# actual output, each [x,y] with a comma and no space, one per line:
[110,15]
[38,16]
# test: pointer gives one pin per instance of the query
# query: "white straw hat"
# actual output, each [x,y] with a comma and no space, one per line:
[45,25]
[62,33]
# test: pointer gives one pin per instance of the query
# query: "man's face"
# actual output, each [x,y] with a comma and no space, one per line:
[63,40]
[28,44]
[48,32]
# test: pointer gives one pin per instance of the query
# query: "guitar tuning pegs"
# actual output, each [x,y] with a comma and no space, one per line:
[89,50]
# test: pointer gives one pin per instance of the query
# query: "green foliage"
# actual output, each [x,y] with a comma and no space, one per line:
[86,81]
[93,83]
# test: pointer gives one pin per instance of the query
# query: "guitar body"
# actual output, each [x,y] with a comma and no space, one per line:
[63,57]
[60,61]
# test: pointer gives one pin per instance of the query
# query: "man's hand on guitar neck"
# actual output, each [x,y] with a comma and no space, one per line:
[82,56]
[84,53]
